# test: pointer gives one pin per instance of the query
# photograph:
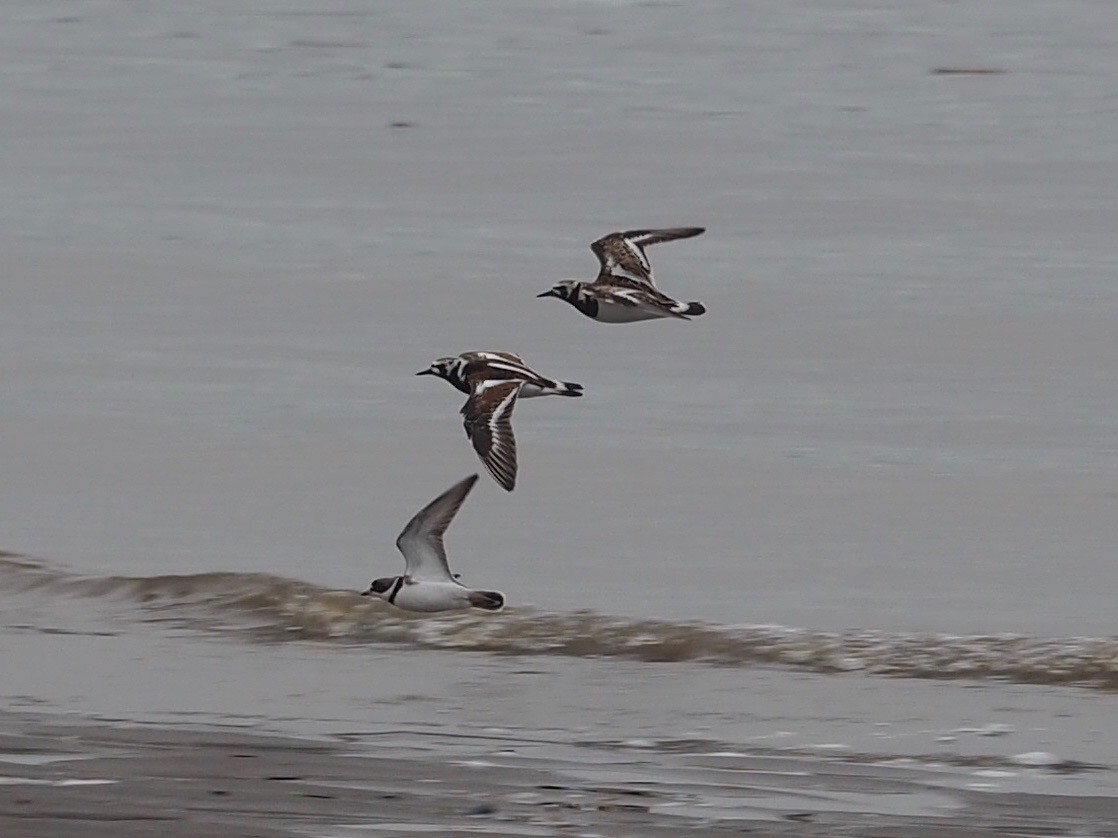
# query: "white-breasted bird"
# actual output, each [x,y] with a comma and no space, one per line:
[495,380]
[624,291]
[427,583]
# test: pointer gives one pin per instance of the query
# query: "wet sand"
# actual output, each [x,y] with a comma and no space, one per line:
[203,727]
[63,777]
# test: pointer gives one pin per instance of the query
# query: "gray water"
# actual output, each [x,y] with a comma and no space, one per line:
[233,232]
[224,263]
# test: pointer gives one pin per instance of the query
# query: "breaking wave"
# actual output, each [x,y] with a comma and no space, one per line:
[266,608]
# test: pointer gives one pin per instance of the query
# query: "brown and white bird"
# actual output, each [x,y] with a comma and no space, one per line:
[625,291]
[494,381]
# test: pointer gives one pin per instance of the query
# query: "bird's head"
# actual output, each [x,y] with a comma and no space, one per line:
[565,289]
[442,367]
[381,588]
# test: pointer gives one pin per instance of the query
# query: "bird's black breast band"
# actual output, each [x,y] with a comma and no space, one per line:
[395,590]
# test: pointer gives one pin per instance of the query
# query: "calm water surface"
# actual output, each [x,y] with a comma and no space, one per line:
[232,235]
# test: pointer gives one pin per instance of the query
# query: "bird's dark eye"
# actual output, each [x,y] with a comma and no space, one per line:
[379,586]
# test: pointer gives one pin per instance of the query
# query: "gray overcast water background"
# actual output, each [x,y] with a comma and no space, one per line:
[232,233]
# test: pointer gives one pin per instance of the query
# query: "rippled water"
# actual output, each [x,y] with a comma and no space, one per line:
[265,608]
[234,235]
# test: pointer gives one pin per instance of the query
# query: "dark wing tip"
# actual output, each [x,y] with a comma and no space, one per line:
[666,234]
[501,464]
[680,232]
[461,490]
[468,482]
[505,479]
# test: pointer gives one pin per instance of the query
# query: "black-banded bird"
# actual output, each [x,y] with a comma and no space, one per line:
[427,583]
[494,381]
[624,291]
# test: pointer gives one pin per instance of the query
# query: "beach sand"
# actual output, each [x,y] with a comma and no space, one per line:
[140,707]
[63,777]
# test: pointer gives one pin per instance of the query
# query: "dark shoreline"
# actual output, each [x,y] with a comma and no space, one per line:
[61,776]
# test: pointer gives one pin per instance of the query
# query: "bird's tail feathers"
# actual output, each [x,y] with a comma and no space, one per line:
[568,388]
[692,309]
[487,600]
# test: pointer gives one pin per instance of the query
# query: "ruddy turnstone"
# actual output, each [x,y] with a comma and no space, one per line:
[494,381]
[467,369]
[427,583]
[624,291]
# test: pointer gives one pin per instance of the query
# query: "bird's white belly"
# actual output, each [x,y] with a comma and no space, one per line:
[432,596]
[611,312]
[528,391]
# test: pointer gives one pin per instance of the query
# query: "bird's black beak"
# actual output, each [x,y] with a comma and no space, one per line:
[426,372]
[366,593]
[550,292]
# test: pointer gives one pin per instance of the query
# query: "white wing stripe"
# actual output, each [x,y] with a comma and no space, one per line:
[635,246]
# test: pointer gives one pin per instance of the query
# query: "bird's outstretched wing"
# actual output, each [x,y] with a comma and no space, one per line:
[622,256]
[487,416]
[421,542]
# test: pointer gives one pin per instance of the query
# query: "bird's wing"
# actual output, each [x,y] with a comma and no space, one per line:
[487,416]
[622,256]
[503,366]
[494,355]
[421,542]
